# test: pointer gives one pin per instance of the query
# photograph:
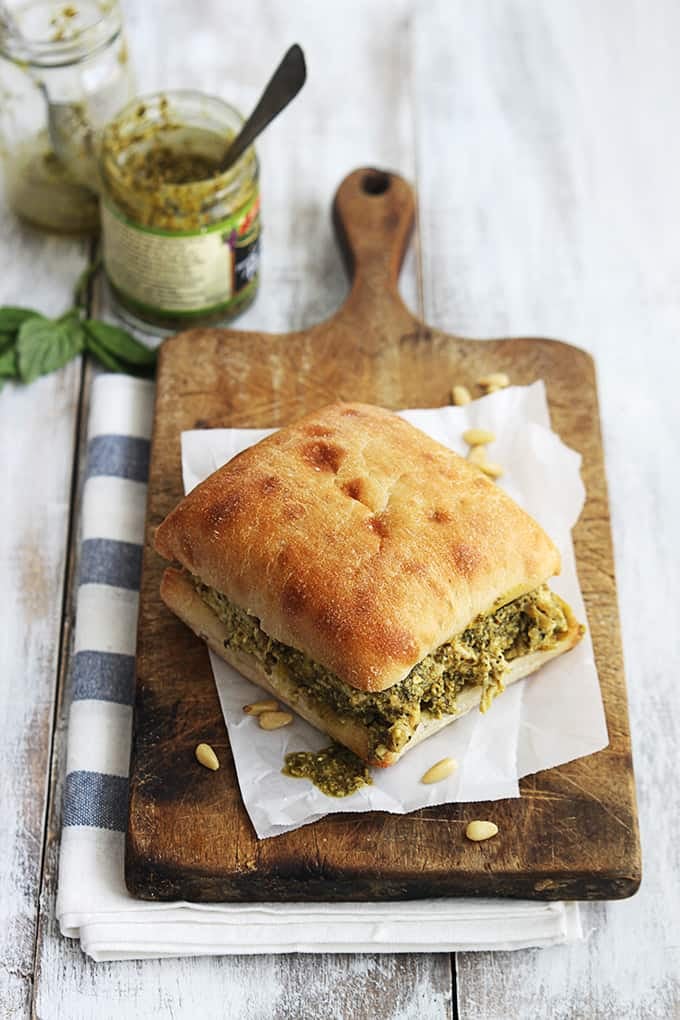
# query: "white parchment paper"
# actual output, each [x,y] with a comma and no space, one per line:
[550,718]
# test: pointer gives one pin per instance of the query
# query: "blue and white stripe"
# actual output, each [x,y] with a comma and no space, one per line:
[103,658]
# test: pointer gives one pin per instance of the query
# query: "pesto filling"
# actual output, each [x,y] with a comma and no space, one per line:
[478,657]
[335,770]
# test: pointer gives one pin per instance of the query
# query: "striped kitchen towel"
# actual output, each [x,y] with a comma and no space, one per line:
[92,902]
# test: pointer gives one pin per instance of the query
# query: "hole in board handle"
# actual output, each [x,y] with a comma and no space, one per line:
[375,182]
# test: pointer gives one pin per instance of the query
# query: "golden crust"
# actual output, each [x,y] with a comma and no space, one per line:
[181,597]
[355,538]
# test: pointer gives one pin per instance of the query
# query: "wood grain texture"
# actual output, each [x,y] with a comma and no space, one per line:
[35,514]
[573,834]
[288,987]
[552,207]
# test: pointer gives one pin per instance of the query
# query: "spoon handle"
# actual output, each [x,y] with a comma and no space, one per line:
[284,85]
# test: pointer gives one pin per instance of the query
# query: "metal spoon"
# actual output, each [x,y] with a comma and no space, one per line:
[284,85]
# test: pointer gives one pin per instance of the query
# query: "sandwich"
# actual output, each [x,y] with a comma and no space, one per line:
[366,576]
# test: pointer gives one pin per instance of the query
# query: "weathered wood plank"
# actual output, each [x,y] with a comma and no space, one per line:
[552,209]
[355,109]
[255,987]
[37,428]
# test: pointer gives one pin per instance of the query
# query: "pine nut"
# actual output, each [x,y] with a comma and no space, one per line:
[493,389]
[441,770]
[274,720]
[477,455]
[492,470]
[494,379]
[477,831]
[258,707]
[478,437]
[207,757]
[460,395]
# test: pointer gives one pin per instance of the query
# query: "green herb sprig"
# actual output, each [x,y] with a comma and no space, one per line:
[32,345]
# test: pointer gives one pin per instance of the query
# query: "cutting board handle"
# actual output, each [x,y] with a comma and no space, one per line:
[373,214]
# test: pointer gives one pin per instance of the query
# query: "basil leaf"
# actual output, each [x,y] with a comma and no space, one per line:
[8,364]
[6,341]
[12,318]
[101,354]
[72,315]
[134,355]
[44,345]
[76,329]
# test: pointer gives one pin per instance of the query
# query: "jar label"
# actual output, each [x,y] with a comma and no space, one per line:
[192,273]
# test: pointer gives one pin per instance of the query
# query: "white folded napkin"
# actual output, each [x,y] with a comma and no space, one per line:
[92,902]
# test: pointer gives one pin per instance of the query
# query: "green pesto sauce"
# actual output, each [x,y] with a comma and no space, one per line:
[43,191]
[166,164]
[167,174]
[479,657]
[335,770]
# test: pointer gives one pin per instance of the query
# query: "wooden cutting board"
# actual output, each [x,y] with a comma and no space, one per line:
[574,832]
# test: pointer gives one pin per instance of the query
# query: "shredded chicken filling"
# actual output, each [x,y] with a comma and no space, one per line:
[479,657]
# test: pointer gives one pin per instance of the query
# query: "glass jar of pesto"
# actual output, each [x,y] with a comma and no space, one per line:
[180,236]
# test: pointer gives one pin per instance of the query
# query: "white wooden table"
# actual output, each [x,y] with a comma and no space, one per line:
[544,140]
